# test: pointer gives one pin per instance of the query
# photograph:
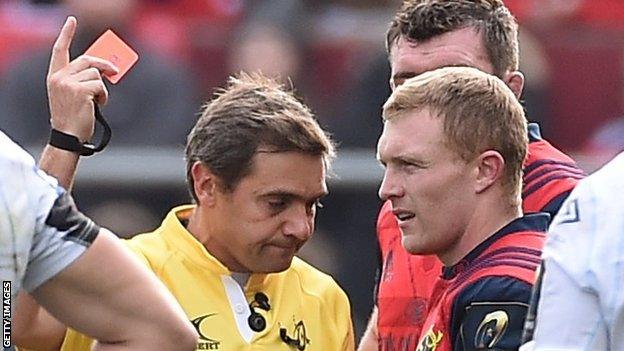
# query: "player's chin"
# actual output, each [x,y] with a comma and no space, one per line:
[414,244]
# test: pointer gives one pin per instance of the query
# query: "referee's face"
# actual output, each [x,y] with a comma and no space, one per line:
[262,223]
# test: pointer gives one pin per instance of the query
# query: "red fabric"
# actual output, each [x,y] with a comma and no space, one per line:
[407,281]
[540,151]
[405,284]
[599,13]
[436,331]
[602,13]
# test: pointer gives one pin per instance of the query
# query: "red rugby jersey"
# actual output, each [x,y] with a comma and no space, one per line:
[481,302]
[405,281]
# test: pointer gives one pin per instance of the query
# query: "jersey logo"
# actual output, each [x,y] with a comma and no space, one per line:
[570,214]
[430,341]
[491,329]
[204,343]
[299,338]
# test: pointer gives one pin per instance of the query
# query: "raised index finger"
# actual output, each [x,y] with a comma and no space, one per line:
[60,50]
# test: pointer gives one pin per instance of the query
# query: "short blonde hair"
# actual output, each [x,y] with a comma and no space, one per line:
[479,113]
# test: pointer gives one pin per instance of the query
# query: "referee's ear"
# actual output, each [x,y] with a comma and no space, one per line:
[205,184]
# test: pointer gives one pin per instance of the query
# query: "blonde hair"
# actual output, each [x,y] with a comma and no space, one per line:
[479,113]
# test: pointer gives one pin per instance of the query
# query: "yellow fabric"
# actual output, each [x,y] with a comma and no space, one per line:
[301,293]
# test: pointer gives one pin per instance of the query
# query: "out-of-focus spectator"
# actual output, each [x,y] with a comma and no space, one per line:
[602,13]
[535,65]
[608,140]
[263,46]
[193,32]
[153,105]
[582,40]
[279,51]
[125,217]
[363,101]
[24,26]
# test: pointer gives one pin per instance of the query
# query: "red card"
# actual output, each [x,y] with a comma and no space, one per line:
[110,47]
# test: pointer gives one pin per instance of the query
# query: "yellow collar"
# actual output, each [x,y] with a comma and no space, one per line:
[176,235]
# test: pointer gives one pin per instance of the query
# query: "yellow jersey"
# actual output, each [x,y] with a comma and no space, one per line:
[307,310]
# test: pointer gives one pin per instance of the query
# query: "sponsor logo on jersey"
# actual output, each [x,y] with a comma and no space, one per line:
[297,337]
[491,329]
[205,343]
[431,340]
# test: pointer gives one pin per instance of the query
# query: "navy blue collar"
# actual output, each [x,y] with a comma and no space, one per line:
[537,222]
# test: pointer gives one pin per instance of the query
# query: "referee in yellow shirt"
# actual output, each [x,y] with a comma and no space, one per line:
[256,167]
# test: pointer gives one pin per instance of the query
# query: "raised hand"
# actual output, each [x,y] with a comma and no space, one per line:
[74,86]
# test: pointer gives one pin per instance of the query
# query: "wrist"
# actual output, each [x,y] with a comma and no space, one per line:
[70,139]
[70,143]
[81,135]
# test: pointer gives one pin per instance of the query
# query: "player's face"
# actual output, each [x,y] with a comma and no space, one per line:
[428,184]
[270,214]
[462,47]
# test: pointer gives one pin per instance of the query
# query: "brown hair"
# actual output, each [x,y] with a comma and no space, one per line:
[479,113]
[252,112]
[421,20]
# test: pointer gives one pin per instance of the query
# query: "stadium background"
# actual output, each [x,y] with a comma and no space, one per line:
[572,53]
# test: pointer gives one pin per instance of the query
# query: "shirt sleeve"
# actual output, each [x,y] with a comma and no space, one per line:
[489,314]
[583,270]
[39,221]
[60,238]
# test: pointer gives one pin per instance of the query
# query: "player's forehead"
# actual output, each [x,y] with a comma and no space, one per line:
[462,47]
[410,136]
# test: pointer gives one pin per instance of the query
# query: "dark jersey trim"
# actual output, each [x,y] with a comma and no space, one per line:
[529,222]
[555,204]
[571,165]
[531,177]
[65,217]
[538,185]
[489,294]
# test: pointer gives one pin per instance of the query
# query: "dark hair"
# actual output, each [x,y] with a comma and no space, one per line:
[421,20]
[251,112]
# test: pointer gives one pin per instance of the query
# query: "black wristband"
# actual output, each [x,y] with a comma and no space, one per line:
[71,143]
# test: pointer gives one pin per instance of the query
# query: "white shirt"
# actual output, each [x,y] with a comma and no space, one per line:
[581,305]
[31,251]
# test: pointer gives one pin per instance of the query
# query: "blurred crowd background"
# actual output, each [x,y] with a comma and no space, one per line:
[572,53]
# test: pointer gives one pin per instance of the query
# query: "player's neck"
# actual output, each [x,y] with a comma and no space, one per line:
[487,219]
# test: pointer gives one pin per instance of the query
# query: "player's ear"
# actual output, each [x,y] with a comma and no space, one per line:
[515,82]
[490,167]
[204,183]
